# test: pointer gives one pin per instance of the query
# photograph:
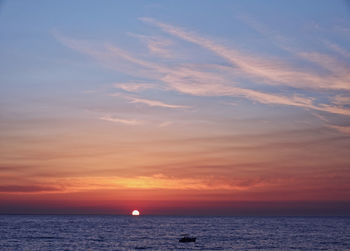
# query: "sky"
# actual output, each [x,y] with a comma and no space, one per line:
[175,107]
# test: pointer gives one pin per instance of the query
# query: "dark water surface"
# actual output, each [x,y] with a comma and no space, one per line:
[28,232]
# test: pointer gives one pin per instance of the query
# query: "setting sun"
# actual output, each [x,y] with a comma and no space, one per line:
[135,213]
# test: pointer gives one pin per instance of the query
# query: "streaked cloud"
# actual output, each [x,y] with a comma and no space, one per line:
[134,87]
[202,80]
[166,123]
[148,102]
[337,48]
[159,181]
[157,45]
[131,122]
[341,100]
[28,189]
[342,129]
[157,103]
[334,74]
[270,71]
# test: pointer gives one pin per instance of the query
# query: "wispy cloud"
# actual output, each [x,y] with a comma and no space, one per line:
[28,189]
[219,80]
[334,74]
[340,50]
[121,121]
[193,80]
[342,129]
[156,45]
[149,102]
[157,103]
[166,123]
[341,100]
[274,71]
[160,181]
[271,71]
[134,87]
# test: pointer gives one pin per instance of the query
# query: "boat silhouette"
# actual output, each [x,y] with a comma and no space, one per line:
[187,238]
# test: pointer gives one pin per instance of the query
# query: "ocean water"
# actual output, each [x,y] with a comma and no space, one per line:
[28,232]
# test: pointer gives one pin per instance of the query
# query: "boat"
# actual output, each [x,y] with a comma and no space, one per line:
[187,238]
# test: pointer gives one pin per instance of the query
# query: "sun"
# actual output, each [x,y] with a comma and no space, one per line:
[135,213]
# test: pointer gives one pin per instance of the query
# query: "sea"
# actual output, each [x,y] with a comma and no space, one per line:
[92,232]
